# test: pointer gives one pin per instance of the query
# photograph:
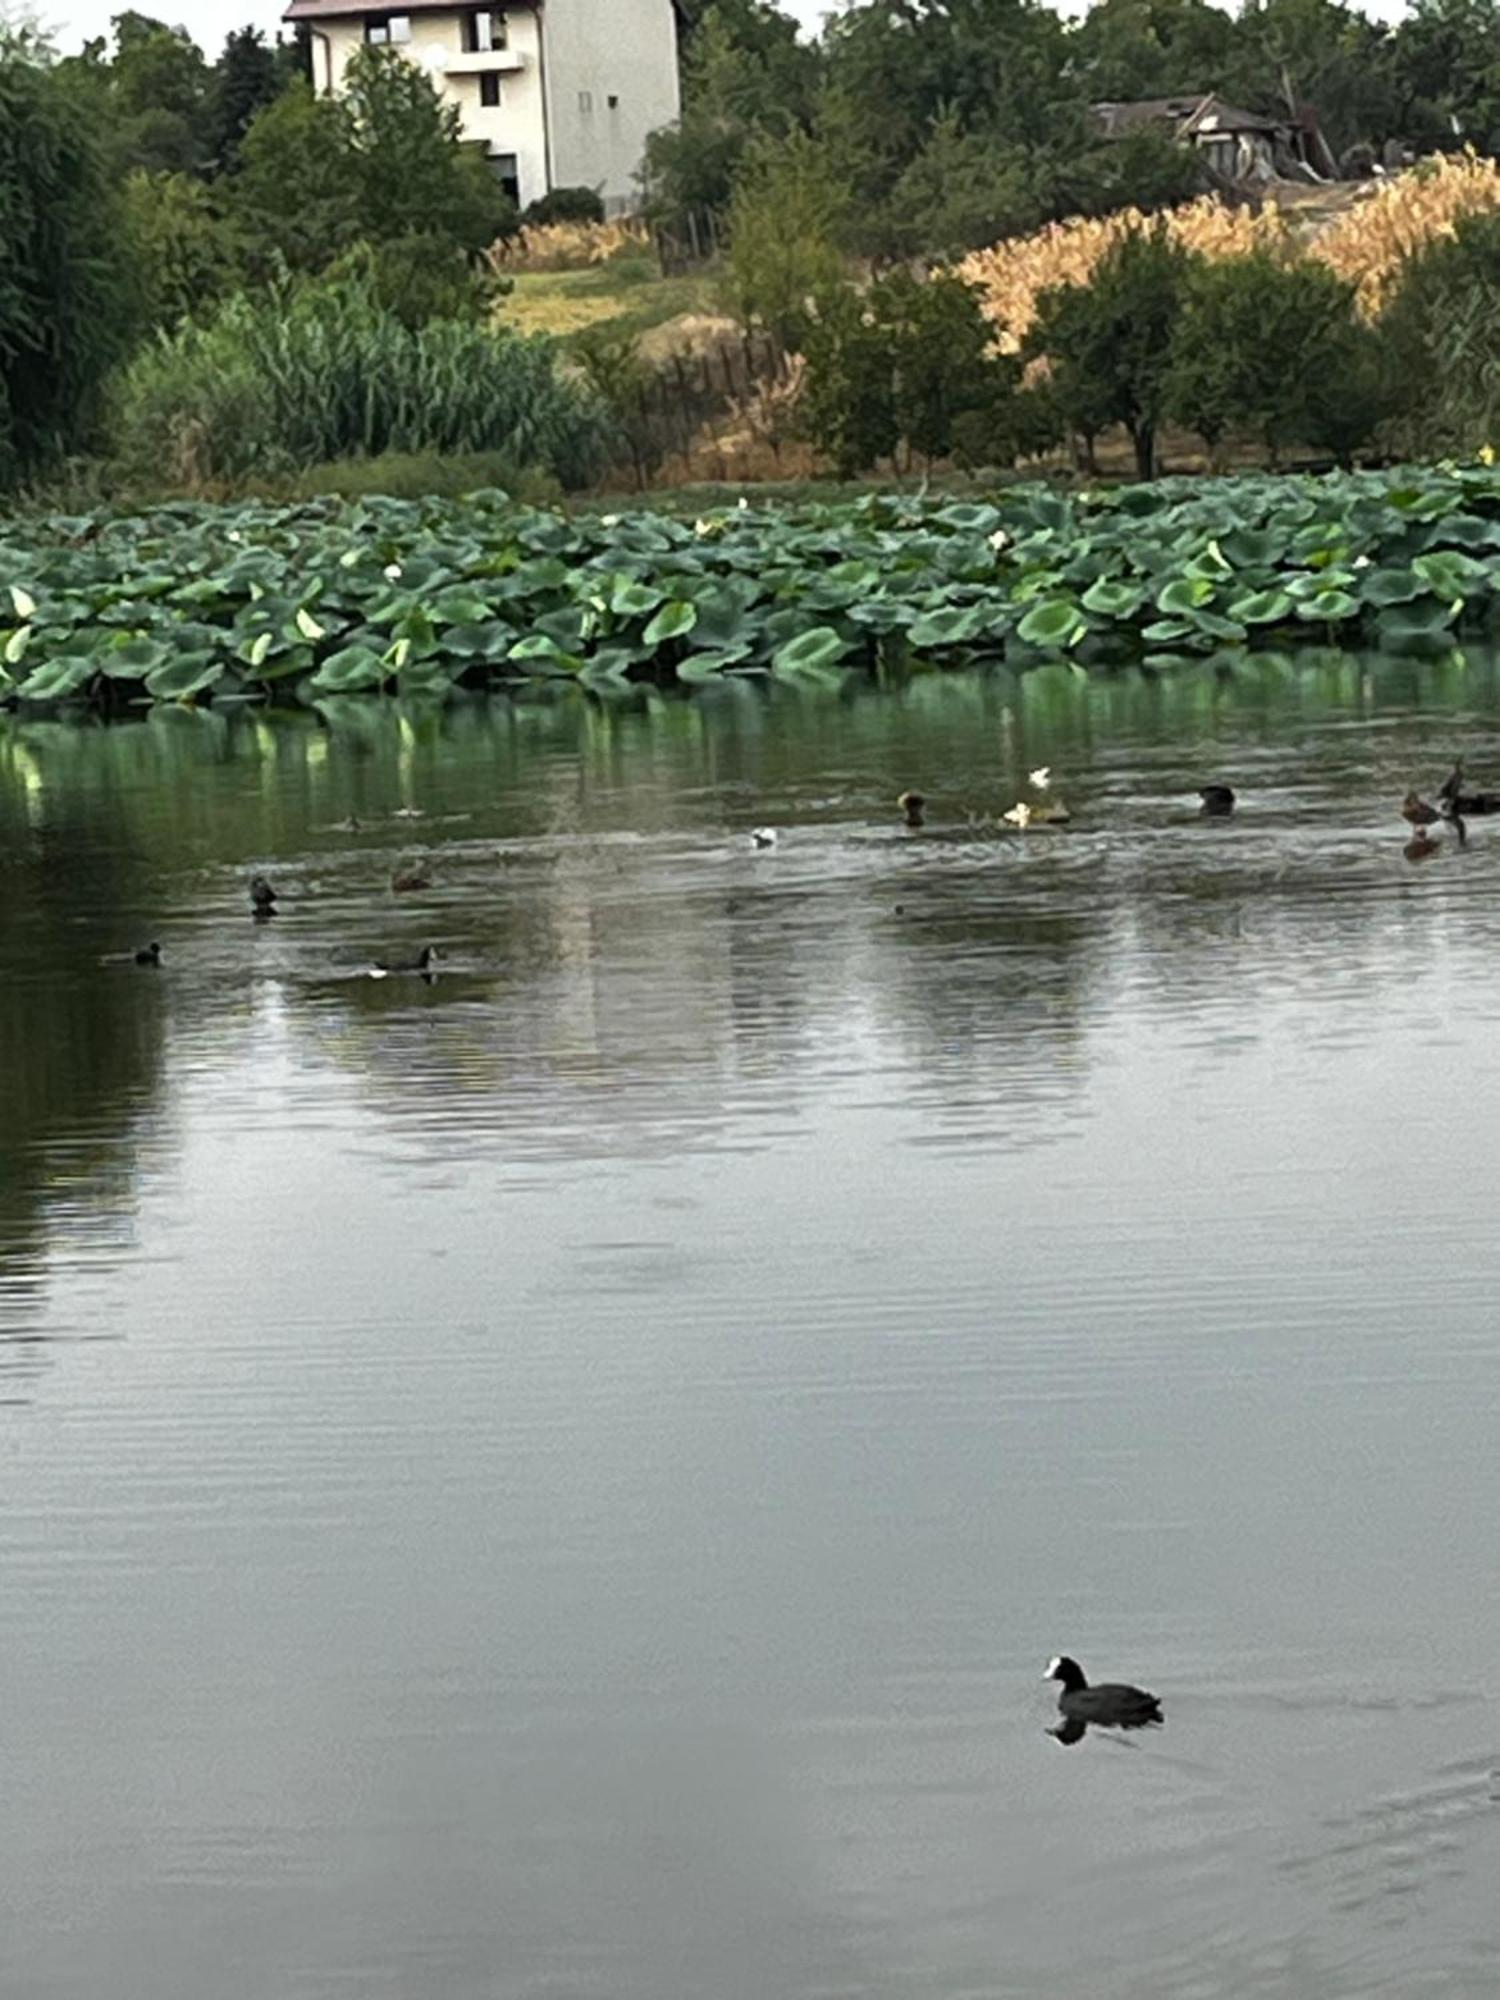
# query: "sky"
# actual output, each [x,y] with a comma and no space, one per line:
[72,22]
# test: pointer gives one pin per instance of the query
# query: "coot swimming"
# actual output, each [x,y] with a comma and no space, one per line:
[1109,1706]
[1218,801]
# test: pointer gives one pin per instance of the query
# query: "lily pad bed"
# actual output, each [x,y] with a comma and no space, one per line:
[195,602]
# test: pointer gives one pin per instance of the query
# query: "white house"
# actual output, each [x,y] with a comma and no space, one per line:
[560,93]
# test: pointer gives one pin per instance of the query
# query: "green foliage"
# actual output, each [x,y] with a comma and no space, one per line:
[786,222]
[64,297]
[613,368]
[961,192]
[183,255]
[1272,351]
[412,173]
[1442,339]
[565,204]
[424,277]
[1108,343]
[247,79]
[297,194]
[908,362]
[304,372]
[424,594]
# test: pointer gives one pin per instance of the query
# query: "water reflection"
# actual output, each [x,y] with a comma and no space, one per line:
[582,1447]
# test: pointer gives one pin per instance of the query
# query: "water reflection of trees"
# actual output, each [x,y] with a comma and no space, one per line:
[625,973]
[83,1057]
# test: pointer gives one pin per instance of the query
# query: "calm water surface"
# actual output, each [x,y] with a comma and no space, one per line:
[560,1483]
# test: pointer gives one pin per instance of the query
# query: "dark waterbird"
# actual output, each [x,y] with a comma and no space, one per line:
[1217,801]
[1111,1705]
[149,954]
[425,962]
[1456,801]
[913,806]
[262,896]
[1417,812]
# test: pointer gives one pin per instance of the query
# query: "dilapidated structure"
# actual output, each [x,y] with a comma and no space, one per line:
[1239,148]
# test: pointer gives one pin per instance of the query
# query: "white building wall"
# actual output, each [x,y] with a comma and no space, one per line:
[517,125]
[611,77]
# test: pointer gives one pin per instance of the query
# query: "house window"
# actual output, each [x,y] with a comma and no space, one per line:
[388,27]
[503,166]
[585,100]
[489,90]
[484,30]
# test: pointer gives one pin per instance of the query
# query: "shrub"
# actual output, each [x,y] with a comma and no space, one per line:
[302,373]
[424,277]
[1442,338]
[564,204]
[1107,344]
[786,223]
[1271,349]
[908,362]
[184,254]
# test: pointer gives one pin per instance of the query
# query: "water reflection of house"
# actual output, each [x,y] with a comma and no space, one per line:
[1238,147]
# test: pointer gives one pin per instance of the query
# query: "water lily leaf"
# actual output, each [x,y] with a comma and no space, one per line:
[1055,623]
[57,678]
[1111,598]
[630,598]
[1391,586]
[307,625]
[15,645]
[349,669]
[1262,607]
[133,659]
[1184,594]
[1332,606]
[953,625]
[189,673]
[675,617]
[25,604]
[818,647]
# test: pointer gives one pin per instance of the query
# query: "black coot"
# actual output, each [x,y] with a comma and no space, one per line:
[1110,1706]
[1218,801]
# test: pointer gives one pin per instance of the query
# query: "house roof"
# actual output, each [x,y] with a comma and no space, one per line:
[317,10]
[1196,112]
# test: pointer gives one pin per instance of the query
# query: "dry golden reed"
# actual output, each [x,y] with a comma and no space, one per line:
[569,246]
[1366,243]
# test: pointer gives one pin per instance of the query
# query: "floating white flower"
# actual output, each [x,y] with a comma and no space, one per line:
[391,572]
[999,541]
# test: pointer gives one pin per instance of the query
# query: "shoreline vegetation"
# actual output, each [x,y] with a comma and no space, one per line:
[195,602]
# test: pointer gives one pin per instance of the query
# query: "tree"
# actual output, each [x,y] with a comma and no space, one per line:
[788,216]
[415,176]
[297,194]
[64,297]
[1125,49]
[913,362]
[1107,343]
[184,256]
[159,88]
[1441,332]
[1272,350]
[961,192]
[746,75]
[248,78]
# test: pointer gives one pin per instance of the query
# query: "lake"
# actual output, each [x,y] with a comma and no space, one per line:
[560,1482]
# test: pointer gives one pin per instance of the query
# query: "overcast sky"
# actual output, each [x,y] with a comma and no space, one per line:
[72,22]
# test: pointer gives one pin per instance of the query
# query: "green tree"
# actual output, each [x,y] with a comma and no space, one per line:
[64,298]
[415,176]
[746,75]
[159,85]
[248,77]
[1126,49]
[1272,350]
[1441,333]
[786,223]
[961,192]
[298,195]
[183,254]
[1107,344]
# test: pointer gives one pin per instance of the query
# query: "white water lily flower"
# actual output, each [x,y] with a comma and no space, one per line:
[609,520]
[234,535]
[1019,814]
[391,572]
[25,604]
[999,540]
[702,526]
[743,504]
[1361,562]
[1041,777]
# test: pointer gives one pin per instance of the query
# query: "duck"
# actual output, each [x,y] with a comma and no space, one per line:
[1416,811]
[913,805]
[149,954]
[425,962]
[262,896]
[1217,801]
[1111,1705]
[406,880]
[763,836]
